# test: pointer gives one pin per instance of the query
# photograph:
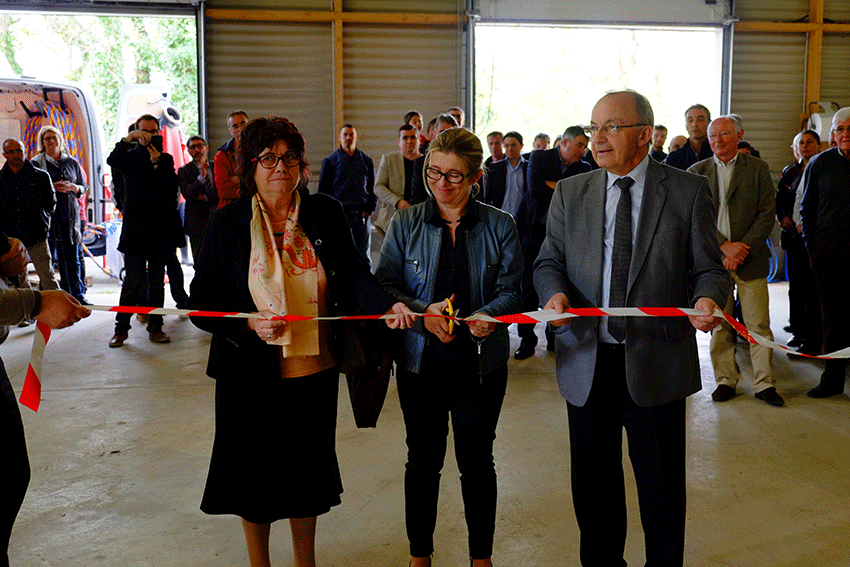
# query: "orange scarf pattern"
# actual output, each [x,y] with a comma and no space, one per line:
[284,280]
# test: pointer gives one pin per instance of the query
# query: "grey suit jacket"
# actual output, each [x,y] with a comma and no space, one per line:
[752,209]
[675,260]
[389,187]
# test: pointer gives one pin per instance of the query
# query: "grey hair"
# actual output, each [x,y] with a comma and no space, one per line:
[840,116]
[573,131]
[734,118]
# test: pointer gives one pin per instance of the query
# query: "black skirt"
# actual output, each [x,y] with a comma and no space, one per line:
[274,454]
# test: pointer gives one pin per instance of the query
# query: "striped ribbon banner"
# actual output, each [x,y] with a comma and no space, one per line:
[31,392]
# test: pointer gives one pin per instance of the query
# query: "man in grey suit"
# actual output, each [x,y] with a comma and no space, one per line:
[745,200]
[395,176]
[635,233]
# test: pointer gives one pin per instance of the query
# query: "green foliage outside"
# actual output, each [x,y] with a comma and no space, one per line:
[106,52]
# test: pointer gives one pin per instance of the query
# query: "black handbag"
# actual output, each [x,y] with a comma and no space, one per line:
[367,363]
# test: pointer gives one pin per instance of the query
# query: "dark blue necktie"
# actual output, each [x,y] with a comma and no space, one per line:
[621,257]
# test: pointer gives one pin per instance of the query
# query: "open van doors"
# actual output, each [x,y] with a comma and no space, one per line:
[27,104]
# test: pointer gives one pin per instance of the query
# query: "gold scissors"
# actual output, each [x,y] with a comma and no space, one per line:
[450,311]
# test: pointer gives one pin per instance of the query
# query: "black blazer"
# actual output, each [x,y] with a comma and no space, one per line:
[197,210]
[151,223]
[544,165]
[496,182]
[221,284]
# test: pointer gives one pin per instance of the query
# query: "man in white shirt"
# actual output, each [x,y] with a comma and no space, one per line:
[745,200]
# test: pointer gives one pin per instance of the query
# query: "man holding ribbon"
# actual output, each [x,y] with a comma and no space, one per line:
[634,233]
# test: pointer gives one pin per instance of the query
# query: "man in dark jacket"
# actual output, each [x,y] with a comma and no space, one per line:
[545,169]
[28,201]
[348,175]
[697,149]
[147,233]
[196,185]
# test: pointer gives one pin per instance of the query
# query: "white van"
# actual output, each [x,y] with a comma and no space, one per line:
[27,104]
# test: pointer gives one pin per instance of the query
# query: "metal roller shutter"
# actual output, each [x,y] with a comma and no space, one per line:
[767,90]
[390,70]
[271,68]
[835,79]
[772,10]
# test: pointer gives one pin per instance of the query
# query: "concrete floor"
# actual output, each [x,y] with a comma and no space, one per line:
[120,449]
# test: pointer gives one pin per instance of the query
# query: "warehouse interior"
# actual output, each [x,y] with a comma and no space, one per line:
[121,443]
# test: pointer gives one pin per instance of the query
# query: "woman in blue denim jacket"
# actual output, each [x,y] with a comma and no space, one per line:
[452,249]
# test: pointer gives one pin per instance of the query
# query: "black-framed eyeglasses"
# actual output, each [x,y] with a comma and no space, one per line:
[269,161]
[435,174]
[609,129]
[195,146]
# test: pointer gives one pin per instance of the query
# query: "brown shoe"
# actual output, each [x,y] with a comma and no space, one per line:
[142,317]
[157,336]
[118,339]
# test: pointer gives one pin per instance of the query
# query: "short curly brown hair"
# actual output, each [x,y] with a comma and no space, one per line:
[262,133]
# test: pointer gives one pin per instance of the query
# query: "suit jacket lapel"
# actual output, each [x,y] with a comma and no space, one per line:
[593,217]
[654,195]
[737,177]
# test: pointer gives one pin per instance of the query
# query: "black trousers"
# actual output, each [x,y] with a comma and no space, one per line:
[359,225]
[831,267]
[803,302]
[427,399]
[16,464]
[656,438]
[530,245]
[136,280]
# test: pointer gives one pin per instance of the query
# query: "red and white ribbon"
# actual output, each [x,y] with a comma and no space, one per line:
[31,393]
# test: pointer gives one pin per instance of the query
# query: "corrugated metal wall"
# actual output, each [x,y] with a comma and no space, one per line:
[772,10]
[768,78]
[390,70]
[271,68]
[387,70]
[835,69]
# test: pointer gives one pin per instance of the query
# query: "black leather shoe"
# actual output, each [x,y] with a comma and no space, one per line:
[771,396]
[794,342]
[723,393]
[825,390]
[787,328]
[525,350]
[805,349]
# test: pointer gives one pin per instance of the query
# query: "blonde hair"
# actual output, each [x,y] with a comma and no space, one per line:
[461,142]
[44,130]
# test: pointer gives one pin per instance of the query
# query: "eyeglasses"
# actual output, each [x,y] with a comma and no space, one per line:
[18,151]
[609,129]
[269,161]
[194,146]
[435,174]
[49,137]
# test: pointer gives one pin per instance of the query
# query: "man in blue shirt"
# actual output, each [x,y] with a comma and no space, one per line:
[348,175]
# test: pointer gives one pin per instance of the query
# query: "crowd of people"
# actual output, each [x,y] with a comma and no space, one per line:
[604,218]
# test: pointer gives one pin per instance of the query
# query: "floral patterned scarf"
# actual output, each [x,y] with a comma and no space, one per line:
[284,276]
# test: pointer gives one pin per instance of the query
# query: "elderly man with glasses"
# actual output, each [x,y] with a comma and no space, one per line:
[197,187]
[29,200]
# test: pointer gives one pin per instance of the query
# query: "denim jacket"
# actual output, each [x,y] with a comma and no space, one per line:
[407,269]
